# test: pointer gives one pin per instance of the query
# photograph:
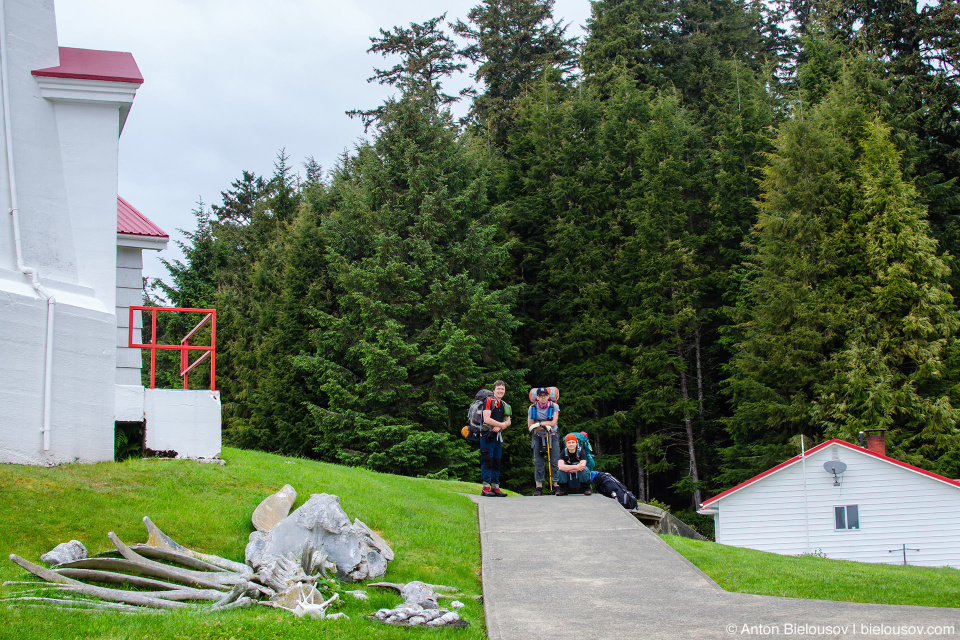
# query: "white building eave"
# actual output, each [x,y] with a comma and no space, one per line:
[99,92]
[142,242]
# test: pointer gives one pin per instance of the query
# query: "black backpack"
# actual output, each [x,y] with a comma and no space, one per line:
[609,486]
[475,425]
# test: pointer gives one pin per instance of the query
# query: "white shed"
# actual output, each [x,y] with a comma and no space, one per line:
[871,509]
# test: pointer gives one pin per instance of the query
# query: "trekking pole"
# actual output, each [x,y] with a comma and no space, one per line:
[549,462]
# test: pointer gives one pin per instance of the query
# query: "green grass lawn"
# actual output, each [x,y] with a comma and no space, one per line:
[771,574]
[431,527]
[207,507]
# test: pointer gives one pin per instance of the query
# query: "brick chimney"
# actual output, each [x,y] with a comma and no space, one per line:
[877,441]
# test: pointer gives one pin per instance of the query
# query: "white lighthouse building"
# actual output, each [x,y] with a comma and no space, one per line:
[69,249]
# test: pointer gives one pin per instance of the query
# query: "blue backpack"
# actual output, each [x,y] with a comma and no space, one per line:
[532,412]
[586,449]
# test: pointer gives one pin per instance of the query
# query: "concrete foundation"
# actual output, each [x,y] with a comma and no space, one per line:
[187,422]
[84,356]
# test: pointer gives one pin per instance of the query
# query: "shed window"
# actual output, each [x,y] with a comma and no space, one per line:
[847,517]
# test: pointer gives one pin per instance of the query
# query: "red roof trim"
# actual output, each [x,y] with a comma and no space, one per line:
[817,448]
[132,222]
[91,64]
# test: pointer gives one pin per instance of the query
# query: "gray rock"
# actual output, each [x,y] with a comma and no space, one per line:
[420,594]
[374,540]
[419,606]
[65,552]
[319,524]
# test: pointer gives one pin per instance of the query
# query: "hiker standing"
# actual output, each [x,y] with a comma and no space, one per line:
[491,443]
[542,421]
[574,473]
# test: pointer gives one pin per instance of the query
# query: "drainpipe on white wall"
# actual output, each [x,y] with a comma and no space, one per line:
[28,271]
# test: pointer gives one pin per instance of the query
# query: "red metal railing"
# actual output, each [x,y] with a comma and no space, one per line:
[184,347]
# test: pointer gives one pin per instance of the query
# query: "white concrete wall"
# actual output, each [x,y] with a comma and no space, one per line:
[187,422]
[46,231]
[896,506]
[129,405]
[81,428]
[129,294]
[65,141]
[89,147]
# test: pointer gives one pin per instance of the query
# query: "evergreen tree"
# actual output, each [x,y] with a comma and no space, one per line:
[280,419]
[590,234]
[914,49]
[680,42]
[629,43]
[891,371]
[716,59]
[194,278]
[849,321]
[513,42]
[787,325]
[239,202]
[660,284]
[427,54]
[567,164]
[420,322]
[283,197]
[248,299]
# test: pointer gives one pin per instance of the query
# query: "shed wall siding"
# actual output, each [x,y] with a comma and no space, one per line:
[896,506]
[129,294]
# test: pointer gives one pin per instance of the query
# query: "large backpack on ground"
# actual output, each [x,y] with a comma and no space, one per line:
[586,449]
[475,426]
[607,485]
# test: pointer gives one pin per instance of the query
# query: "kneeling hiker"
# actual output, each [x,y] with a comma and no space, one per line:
[542,422]
[573,467]
[491,442]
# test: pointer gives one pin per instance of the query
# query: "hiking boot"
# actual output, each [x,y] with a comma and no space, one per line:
[587,492]
[538,491]
[560,492]
[498,493]
[488,493]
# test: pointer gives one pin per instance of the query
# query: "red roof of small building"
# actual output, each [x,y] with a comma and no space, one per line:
[823,445]
[132,222]
[91,64]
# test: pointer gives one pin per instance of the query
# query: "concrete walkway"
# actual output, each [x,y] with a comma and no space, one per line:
[582,567]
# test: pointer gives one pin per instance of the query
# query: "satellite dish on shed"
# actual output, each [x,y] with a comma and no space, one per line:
[836,467]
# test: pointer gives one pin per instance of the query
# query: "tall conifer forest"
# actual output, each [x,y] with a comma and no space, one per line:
[717,226]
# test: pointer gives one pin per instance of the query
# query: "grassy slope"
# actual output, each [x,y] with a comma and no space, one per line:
[208,507]
[770,574]
[432,528]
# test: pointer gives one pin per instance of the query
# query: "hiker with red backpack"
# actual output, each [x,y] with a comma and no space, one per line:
[542,420]
[495,420]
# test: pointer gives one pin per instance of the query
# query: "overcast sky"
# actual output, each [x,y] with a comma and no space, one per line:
[228,83]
